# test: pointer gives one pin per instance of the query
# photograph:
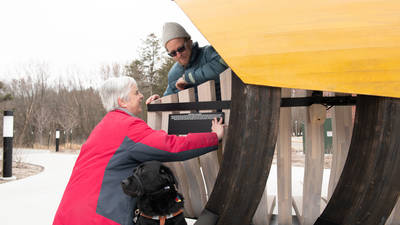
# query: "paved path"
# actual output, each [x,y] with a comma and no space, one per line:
[34,200]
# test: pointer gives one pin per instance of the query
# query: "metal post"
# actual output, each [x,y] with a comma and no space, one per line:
[8,128]
[57,139]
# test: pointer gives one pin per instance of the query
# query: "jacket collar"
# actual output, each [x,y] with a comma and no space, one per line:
[124,110]
[194,55]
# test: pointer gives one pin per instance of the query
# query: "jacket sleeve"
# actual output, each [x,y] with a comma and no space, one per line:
[168,91]
[210,70]
[152,144]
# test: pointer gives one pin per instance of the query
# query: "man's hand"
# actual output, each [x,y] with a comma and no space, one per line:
[152,98]
[180,84]
[218,128]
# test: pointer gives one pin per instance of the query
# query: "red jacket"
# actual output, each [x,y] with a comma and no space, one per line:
[116,145]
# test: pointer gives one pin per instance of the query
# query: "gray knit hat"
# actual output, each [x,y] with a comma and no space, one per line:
[173,30]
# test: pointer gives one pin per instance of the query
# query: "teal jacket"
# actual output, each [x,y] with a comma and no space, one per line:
[205,64]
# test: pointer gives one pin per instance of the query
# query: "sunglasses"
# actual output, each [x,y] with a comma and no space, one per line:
[180,50]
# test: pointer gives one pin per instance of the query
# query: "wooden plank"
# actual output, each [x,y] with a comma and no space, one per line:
[154,118]
[297,203]
[300,115]
[284,164]
[314,163]
[208,162]
[394,218]
[177,167]
[197,193]
[350,46]
[164,115]
[250,145]
[369,185]
[342,129]
[225,79]
[263,214]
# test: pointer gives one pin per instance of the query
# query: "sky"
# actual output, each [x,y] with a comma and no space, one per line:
[80,34]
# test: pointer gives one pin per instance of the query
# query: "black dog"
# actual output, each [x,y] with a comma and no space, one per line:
[158,202]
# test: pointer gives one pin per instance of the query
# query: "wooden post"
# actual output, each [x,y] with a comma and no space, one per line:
[226,93]
[314,164]
[369,186]
[154,118]
[197,196]
[394,218]
[264,210]
[208,162]
[177,167]
[284,164]
[342,129]
[250,145]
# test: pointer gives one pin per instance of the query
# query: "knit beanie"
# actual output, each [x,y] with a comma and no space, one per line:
[173,30]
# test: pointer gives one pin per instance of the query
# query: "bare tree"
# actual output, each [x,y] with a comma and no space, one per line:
[67,115]
[111,70]
[4,95]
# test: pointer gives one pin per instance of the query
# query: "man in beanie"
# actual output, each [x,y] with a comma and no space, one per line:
[194,65]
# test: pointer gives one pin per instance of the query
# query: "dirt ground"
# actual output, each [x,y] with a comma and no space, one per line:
[21,170]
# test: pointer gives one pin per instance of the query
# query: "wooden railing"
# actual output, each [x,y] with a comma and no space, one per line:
[197,176]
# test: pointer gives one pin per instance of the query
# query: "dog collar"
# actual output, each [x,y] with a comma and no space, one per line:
[162,218]
[178,199]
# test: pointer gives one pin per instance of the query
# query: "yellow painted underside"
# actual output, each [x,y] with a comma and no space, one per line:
[350,46]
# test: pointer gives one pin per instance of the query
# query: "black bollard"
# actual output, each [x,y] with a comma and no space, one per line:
[57,139]
[8,128]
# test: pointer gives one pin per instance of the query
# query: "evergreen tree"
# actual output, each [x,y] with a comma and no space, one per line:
[161,82]
[151,69]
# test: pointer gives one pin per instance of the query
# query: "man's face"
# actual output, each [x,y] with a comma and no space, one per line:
[133,104]
[174,45]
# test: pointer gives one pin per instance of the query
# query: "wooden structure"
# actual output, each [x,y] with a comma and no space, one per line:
[350,46]
[197,176]
[198,190]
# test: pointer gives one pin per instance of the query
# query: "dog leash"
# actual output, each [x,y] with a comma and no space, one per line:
[162,218]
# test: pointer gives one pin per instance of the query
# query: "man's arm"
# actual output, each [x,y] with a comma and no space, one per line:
[210,70]
[168,91]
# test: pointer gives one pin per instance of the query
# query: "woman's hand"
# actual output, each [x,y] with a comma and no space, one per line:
[218,127]
[152,98]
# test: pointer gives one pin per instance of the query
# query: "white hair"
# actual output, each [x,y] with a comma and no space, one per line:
[114,88]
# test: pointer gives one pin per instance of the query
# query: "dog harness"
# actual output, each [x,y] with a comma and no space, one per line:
[162,218]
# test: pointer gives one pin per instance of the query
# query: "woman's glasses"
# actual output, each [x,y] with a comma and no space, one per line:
[180,50]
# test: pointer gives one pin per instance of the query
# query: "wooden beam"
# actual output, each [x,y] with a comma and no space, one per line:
[177,167]
[208,162]
[369,185]
[284,164]
[247,159]
[197,196]
[314,163]
[342,128]
[394,218]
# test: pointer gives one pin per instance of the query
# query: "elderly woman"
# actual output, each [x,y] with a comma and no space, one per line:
[117,144]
